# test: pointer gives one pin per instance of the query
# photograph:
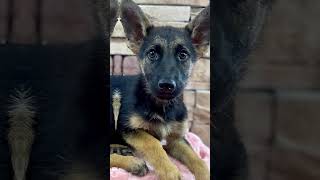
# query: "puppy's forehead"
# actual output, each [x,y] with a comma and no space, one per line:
[168,36]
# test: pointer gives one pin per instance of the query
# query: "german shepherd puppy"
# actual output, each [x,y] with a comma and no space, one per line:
[149,107]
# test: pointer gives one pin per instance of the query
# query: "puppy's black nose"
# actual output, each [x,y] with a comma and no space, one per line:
[167,86]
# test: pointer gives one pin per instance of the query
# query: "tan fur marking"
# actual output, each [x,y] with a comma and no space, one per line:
[160,130]
[179,129]
[20,134]
[151,150]
[117,145]
[129,163]
[116,104]
[136,122]
[158,117]
[179,149]
[160,40]
[176,42]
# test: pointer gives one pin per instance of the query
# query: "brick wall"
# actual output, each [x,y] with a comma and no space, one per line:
[277,108]
[46,21]
[176,13]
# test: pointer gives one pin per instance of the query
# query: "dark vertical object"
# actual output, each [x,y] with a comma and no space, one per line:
[107,61]
[67,22]
[24,22]
[3,21]
[236,25]
[38,20]
[10,20]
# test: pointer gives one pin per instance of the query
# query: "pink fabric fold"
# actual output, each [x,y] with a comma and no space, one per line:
[201,149]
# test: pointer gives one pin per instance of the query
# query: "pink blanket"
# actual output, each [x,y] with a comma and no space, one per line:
[196,143]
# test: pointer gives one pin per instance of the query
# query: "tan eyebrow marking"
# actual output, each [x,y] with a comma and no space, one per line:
[176,42]
[160,40]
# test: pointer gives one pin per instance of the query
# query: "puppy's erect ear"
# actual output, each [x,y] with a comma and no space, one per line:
[114,9]
[199,28]
[135,24]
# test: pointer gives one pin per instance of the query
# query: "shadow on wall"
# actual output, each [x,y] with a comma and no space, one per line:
[277,108]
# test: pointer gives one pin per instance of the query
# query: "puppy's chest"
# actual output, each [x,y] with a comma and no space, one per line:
[157,127]
[129,115]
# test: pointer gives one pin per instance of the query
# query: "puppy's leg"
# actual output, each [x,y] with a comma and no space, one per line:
[152,151]
[181,150]
[123,157]
[121,150]
[131,164]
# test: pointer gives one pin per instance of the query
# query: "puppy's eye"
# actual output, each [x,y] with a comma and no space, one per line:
[152,55]
[183,55]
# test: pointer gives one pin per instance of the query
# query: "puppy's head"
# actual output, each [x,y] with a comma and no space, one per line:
[166,54]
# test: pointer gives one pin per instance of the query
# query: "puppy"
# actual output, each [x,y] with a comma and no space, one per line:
[149,107]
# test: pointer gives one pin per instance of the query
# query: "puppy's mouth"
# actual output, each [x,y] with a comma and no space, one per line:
[166,96]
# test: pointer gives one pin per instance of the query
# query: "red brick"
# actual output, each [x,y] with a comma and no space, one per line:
[117,65]
[130,65]
[201,116]
[198,85]
[298,121]
[69,21]
[296,146]
[189,100]
[201,71]
[253,112]
[111,65]
[282,77]
[291,35]
[3,20]
[202,107]
[287,163]
[200,78]
[203,99]
[24,22]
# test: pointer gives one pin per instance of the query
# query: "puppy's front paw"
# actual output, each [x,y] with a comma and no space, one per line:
[131,164]
[201,171]
[169,173]
[139,168]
